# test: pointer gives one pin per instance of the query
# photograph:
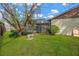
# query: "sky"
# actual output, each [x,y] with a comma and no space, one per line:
[48,10]
[52,10]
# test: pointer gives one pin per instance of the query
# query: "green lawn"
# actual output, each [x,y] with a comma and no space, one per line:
[41,45]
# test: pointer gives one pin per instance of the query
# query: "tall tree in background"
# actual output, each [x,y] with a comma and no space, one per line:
[12,16]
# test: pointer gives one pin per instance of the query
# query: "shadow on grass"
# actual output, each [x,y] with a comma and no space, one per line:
[3,44]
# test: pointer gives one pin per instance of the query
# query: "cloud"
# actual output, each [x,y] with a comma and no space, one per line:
[35,15]
[64,4]
[19,4]
[17,9]
[45,17]
[21,15]
[38,4]
[54,11]
[38,16]
[50,16]
[2,10]
[29,4]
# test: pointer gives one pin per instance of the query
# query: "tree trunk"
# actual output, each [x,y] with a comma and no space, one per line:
[20,31]
[2,29]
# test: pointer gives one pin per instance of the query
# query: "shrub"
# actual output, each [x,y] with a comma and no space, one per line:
[54,29]
[26,33]
[13,31]
[14,34]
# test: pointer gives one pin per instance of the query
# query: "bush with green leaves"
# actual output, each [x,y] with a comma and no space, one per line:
[54,29]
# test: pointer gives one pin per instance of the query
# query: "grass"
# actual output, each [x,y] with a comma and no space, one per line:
[41,45]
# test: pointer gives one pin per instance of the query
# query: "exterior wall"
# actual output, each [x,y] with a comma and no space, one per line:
[8,27]
[66,26]
[29,28]
[42,28]
[37,28]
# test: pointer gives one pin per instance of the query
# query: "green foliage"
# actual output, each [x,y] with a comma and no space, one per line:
[13,30]
[14,34]
[54,29]
[26,33]
[1,22]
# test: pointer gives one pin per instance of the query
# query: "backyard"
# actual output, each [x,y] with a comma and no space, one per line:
[41,45]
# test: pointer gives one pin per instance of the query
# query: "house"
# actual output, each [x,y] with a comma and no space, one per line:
[41,25]
[7,26]
[67,22]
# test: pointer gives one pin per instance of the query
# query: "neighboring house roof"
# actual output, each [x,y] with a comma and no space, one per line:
[41,21]
[71,13]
